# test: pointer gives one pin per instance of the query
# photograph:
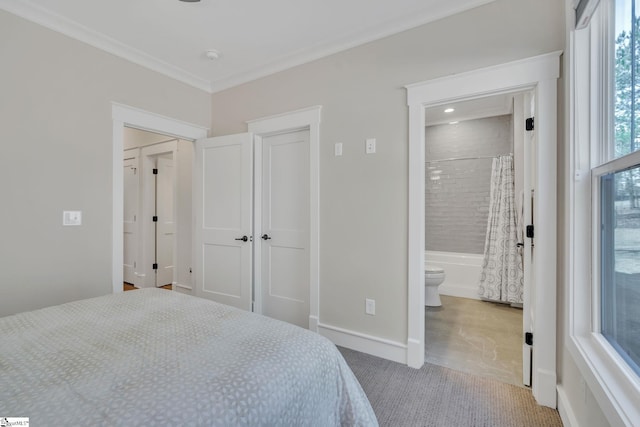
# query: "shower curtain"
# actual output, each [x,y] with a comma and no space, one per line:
[502,276]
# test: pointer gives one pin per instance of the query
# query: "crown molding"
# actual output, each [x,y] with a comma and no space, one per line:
[60,24]
[345,43]
[63,25]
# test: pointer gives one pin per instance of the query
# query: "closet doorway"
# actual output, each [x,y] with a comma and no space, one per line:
[252,223]
[156,228]
[257,214]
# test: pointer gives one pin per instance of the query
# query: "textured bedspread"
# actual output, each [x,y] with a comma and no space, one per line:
[155,357]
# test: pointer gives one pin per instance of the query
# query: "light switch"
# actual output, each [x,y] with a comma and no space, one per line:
[338,149]
[370,145]
[72,218]
[370,306]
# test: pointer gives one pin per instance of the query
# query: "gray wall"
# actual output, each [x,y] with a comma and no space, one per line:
[363,198]
[56,133]
[457,191]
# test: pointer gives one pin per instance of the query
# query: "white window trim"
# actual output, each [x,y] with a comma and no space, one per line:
[613,383]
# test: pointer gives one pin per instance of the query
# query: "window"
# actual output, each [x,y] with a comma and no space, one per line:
[620,263]
[604,207]
[617,175]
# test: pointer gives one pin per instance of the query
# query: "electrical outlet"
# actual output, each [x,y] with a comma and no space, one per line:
[370,145]
[337,151]
[370,306]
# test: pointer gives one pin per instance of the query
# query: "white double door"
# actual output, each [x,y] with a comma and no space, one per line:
[252,223]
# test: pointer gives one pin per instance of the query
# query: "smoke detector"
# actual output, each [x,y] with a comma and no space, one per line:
[212,54]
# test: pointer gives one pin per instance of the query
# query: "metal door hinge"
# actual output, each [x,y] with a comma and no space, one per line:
[155,218]
[155,171]
[528,338]
[155,266]
[528,124]
[529,232]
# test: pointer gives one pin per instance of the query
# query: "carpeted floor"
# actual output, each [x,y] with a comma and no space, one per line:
[438,396]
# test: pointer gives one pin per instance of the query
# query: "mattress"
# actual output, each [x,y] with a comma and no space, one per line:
[156,357]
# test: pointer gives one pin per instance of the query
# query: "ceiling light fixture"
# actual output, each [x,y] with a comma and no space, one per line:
[449,110]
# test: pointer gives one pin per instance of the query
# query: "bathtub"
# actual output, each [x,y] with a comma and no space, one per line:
[462,272]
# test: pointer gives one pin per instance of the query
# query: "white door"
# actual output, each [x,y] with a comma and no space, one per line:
[529,279]
[130,226]
[284,263]
[165,225]
[223,212]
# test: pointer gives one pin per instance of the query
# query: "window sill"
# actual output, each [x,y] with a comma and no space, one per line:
[614,385]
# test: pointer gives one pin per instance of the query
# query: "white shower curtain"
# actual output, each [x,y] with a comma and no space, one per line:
[502,276]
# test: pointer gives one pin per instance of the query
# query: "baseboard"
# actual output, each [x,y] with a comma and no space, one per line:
[380,347]
[567,414]
[545,391]
[459,291]
[313,323]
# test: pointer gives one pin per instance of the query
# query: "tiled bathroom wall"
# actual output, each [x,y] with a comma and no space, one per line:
[457,192]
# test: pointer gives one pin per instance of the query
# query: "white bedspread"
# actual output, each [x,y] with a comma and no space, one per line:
[155,357]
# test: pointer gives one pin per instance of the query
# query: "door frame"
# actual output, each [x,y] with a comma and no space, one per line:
[539,73]
[303,119]
[126,116]
[148,200]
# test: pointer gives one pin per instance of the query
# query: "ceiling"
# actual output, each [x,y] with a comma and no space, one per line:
[478,108]
[255,38]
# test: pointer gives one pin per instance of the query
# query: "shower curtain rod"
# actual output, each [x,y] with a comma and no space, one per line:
[464,158]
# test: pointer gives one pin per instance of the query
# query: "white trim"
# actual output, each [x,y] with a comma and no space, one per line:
[148,200]
[386,349]
[567,414]
[122,116]
[178,285]
[66,26]
[538,73]
[306,118]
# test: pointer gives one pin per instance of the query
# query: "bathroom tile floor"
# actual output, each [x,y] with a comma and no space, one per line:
[477,337]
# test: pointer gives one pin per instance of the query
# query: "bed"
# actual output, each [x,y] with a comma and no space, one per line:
[156,357]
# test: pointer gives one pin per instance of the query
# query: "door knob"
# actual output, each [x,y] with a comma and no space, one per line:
[243,238]
[266,237]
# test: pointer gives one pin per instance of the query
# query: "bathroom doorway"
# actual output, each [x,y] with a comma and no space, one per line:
[538,74]
[472,331]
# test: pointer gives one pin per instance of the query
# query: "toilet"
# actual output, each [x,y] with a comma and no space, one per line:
[433,277]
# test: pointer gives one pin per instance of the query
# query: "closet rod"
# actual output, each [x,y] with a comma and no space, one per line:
[464,158]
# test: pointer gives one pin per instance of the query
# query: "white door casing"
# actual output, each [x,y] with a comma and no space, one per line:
[149,156]
[527,205]
[124,115]
[130,216]
[540,74]
[284,262]
[223,176]
[165,225]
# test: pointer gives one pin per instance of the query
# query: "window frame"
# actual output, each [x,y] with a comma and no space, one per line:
[614,384]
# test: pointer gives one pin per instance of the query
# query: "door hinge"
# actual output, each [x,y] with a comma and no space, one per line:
[530,231]
[155,266]
[528,124]
[528,338]
[155,218]
[155,171]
